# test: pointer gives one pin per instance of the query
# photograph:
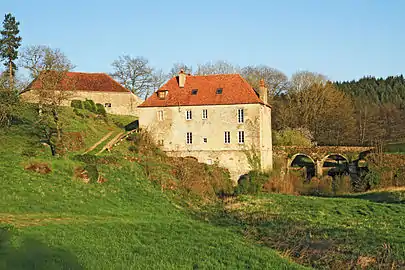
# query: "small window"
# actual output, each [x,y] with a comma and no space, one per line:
[219,91]
[107,105]
[241,137]
[162,94]
[160,115]
[227,138]
[241,116]
[209,161]
[204,114]
[194,91]
[205,140]
[189,138]
[189,116]
[160,142]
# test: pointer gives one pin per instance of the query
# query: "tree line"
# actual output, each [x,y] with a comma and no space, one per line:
[368,111]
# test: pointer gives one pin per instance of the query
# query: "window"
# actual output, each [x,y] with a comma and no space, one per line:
[162,94]
[205,140]
[204,114]
[209,161]
[194,91]
[160,115]
[227,137]
[219,91]
[107,105]
[189,138]
[241,117]
[160,142]
[241,137]
[188,115]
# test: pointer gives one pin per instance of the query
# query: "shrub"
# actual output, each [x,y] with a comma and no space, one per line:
[90,105]
[92,172]
[289,184]
[79,113]
[342,184]
[100,109]
[371,179]
[318,187]
[78,104]
[251,183]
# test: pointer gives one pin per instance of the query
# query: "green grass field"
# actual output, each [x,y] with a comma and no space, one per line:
[333,233]
[52,221]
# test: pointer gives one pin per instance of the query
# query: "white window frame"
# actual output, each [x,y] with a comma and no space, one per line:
[189,115]
[160,115]
[227,137]
[241,116]
[189,138]
[204,114]
[241,136]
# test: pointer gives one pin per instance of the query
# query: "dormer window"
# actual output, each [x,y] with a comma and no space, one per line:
[162,94]
[219,91]
[194,91]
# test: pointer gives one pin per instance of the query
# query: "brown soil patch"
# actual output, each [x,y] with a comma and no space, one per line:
[42,168]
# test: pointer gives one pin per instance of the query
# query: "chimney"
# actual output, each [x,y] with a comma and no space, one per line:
[182,78]
[263,92]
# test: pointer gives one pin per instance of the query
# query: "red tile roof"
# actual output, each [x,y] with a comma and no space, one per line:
[235,90]
[81,81]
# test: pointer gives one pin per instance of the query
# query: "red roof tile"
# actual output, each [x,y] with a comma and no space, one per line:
[81,81]
[235,90]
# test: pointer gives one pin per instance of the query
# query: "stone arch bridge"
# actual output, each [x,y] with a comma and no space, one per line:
[320,158]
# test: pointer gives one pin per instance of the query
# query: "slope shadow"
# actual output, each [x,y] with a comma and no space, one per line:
[379,197]
[32,254]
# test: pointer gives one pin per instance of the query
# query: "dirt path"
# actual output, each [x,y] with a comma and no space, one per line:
[111,143]
[99,142]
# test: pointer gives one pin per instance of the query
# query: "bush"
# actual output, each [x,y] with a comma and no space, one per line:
[251,183]
[79,113]
[92,172]
[78,104]
[318,187]
[90,105]
[100,109]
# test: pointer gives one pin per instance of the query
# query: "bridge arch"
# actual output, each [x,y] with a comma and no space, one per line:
[305,161]
[335,164]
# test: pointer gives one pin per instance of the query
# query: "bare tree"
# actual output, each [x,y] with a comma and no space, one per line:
[219,67]
[180,66]
[158,79]
[51,88]
[303,80]
[39,58]
[133,73]
[275,80]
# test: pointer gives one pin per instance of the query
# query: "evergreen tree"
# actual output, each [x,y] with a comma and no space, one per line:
[9,44]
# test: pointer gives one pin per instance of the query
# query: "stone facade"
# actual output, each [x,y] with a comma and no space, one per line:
[203,136]
[120,103]
[99,87]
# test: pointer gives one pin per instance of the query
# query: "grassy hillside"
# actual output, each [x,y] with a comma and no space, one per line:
[362,230]
[55,221]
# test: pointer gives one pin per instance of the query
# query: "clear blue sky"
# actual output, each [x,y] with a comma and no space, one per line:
[343,39]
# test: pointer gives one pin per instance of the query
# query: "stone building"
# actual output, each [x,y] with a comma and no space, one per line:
[215,118]
[98,87]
